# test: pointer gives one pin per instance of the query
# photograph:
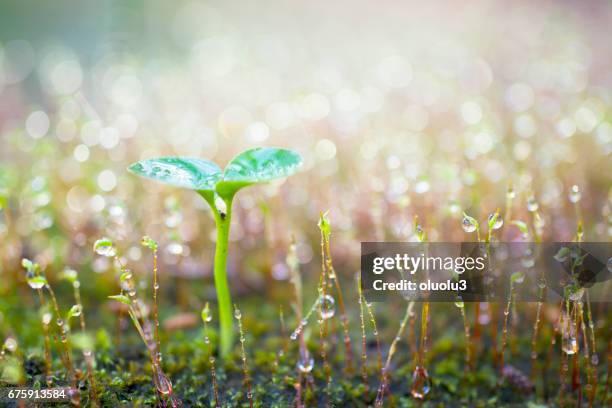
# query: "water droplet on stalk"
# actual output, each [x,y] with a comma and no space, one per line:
[459,303]
[468,225]
[575,194]
[542,283]
[569,342]
[576,295]
[532,204]
[76,310]
[46,318]
[306,364]
[10,344]
[421,383]
[328,307]
[163,384]
[510,193]
[206,315]
[499,221]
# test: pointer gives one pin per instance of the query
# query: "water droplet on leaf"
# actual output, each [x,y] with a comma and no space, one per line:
[105,247]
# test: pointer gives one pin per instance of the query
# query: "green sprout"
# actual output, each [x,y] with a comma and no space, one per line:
[218,187]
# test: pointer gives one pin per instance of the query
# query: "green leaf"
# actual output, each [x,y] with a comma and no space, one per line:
[149,242]
[325,225]
[121,298]
[37,281]
[27,264]
[186,172]
[562,254]
[517,277]
[521,226]
[258,165]
[69,274]
[74,311]
[493,220]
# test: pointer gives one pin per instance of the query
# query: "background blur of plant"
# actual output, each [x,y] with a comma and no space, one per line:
[423,110]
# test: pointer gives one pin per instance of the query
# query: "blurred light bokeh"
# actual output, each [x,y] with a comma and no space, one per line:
[399,109]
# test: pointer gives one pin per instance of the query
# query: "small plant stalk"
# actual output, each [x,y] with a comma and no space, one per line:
[384,381]
[505,330]
[468,342]
[87,354]
[245,366]
[364,356]
[323,323]
[211,360]
[162,383]
[76,397]
[536,330]
[296,280]
[370,311]
[47,341]
[226,332]
[155,307]
[329,270]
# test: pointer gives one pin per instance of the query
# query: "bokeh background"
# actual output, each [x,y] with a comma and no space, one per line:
[398,109]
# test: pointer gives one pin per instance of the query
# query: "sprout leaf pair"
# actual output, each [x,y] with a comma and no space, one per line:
[218,187]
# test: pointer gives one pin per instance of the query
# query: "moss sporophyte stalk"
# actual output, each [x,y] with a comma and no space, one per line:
[218,187]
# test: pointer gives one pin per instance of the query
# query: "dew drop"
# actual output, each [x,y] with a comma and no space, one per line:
[105,247]
[328,307]
[499,221]
[569,342]
[576,295]
[237,314]
[575,194]
[541,283]
[532,204]
[163,384]
[468,225]
[459,303]
[421,383]
[10,344]
[36,282]
[76,310]
[306,364]
[46,319]
[206,315]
